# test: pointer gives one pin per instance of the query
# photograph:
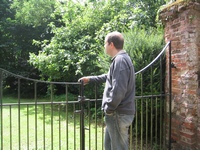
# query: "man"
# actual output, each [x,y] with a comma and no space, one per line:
[118,101]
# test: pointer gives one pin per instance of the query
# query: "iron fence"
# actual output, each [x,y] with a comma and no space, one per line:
[76,122]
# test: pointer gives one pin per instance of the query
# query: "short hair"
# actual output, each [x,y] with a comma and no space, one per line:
[117,39]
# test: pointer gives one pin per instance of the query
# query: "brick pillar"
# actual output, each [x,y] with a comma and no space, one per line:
[181,20]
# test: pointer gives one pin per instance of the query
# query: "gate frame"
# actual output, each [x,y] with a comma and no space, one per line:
[81,97]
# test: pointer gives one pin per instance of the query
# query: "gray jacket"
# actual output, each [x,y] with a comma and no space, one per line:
[119,91]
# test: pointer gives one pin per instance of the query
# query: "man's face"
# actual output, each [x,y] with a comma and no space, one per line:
[108,48]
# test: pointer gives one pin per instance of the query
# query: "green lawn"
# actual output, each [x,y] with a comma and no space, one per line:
[39,128]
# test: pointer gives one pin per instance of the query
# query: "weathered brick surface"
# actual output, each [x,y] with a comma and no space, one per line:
[182,28]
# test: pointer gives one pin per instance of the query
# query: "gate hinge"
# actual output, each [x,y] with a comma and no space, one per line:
[81,98]
[172,65]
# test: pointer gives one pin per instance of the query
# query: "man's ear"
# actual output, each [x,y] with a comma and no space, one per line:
[111,44]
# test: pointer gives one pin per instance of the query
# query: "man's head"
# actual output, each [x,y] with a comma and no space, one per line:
[114,42]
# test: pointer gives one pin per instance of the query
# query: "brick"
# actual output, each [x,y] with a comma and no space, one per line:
[188,135]
[186,146]
[189,127]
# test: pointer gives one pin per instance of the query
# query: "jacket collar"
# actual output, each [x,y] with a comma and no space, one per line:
[120,52]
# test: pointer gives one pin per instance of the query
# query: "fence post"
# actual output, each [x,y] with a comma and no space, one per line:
[82,127]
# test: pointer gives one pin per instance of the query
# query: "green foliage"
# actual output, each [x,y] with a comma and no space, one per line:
[16,43]
[70,97]
[33,13]
[17,36]
[71,45]
[74,48]
[145,12]
[143,46]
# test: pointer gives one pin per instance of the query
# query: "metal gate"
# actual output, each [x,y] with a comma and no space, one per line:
[75,122]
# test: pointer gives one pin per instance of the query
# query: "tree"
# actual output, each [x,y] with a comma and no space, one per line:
[5,50]
[65,38]
[75,46]
[16,43]
[17,36]
[33,13]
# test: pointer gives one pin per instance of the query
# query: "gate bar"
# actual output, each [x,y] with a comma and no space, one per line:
[170,94]
[19,113]
[82,128]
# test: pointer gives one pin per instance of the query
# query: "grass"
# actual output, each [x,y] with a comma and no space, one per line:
[30,127]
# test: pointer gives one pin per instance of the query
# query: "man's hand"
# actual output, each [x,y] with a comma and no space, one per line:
[85,80]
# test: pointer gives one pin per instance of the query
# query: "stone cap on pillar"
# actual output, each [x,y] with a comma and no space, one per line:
[171,10]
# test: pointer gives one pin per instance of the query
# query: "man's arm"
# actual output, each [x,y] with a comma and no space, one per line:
[96,79]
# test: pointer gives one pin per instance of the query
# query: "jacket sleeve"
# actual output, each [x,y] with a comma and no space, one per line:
[98,79]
